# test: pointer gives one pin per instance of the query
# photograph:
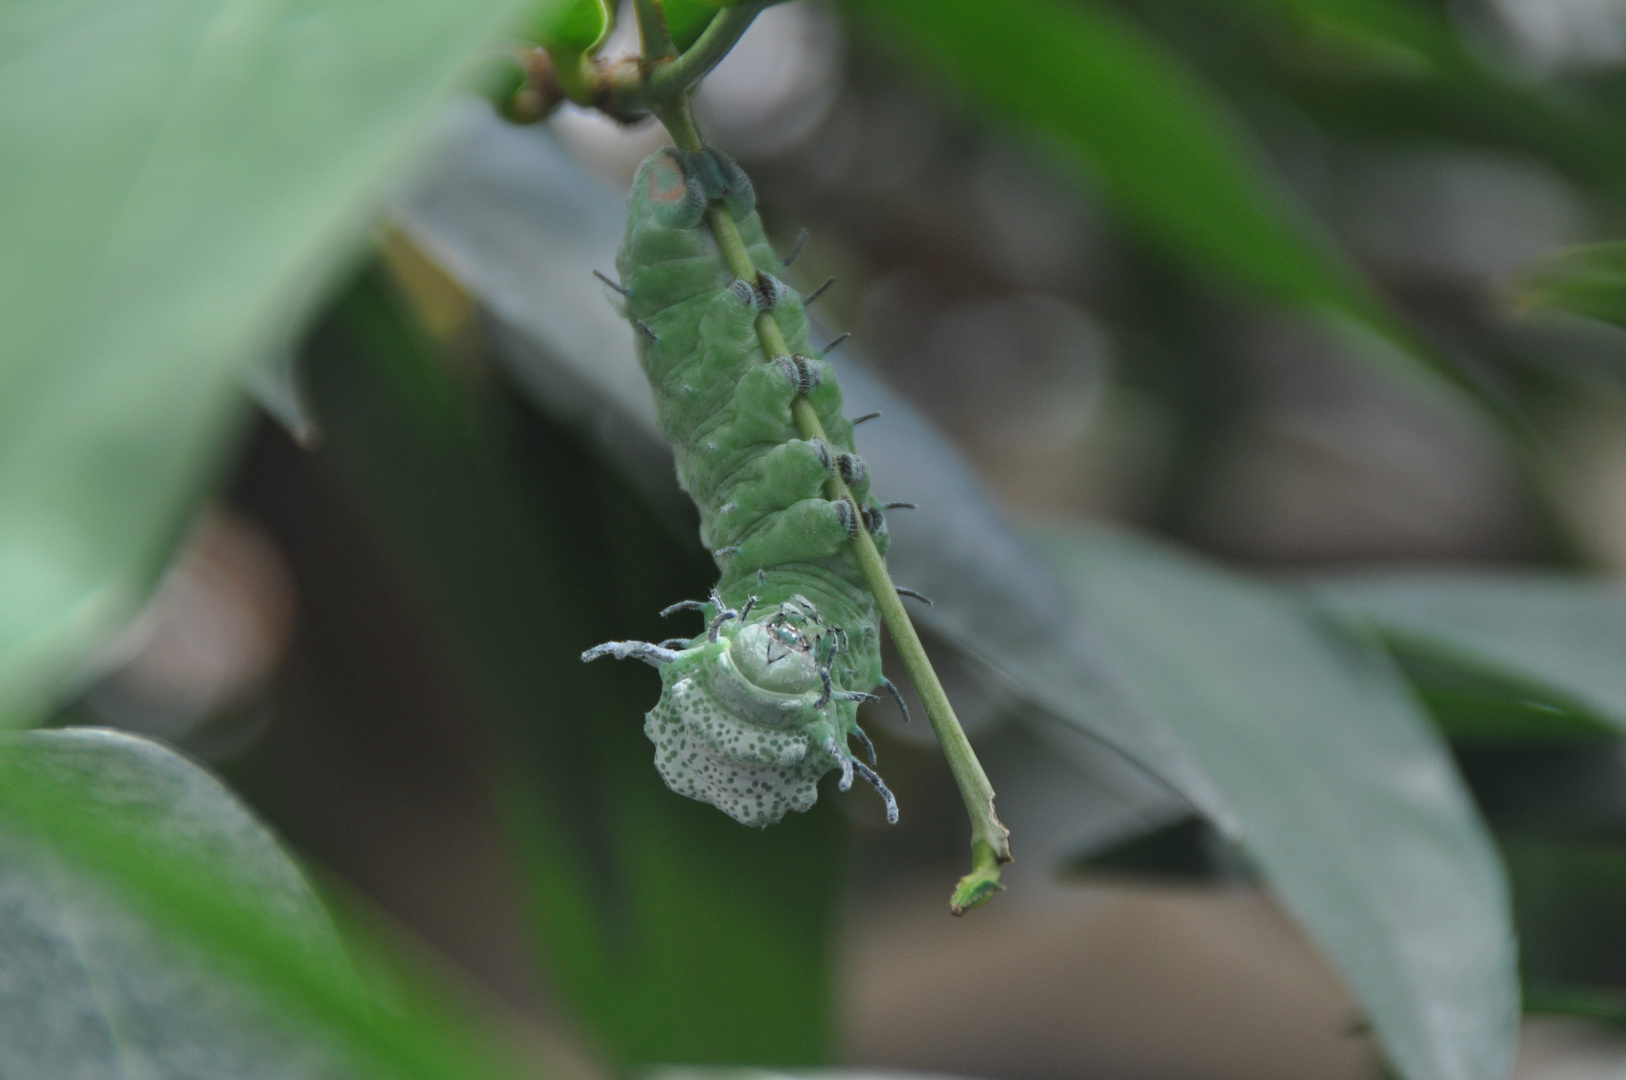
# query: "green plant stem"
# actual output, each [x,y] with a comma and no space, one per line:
[670,82]
[990,840]
[652,31]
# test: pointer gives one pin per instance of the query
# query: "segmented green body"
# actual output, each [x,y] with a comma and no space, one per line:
[757,709]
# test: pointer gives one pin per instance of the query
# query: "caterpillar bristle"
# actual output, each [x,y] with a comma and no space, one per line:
[612,284]
[716,626]
[683,605]
[795,251]
[922,597]
[901,506]
[838,342]
[653,655]
[647,331]
[869,747]
[897,695]
[845,760]
[818,292]
[866,418]
[874,780]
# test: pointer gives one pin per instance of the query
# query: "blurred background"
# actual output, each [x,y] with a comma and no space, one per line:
[364,628]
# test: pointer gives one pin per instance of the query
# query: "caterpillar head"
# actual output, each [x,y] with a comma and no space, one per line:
[745,722]
[750,717]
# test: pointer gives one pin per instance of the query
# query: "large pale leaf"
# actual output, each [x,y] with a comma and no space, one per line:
[179,175]
[1343,795]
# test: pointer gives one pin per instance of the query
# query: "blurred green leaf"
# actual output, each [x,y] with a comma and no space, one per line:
[87,987]
[674,933]
[179,178]
[1600,1004]
[1161,142]
[1408,73]
[1567,895]
[1341,794]
[165,837]
[1477,705]
[1588,280]
[1409,25]
[820,1074]
[573,26]
[1562,637]
[685,19]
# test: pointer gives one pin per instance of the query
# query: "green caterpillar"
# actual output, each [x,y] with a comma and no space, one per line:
[755,710]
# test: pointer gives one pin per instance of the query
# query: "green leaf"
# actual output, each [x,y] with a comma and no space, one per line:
[1340,791]
[1588,281]
[685,19]
[179,180]
[87,987]
[1162,144]
[573,26]
[1568,894]
[1398,23]
[1478,705]
[203,952]
[1563,638]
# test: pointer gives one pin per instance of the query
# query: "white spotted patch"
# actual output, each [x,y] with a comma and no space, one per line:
[754,774]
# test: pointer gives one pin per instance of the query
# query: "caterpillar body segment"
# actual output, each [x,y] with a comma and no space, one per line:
[758,708]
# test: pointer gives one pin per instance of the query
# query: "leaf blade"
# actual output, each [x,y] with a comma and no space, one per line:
[173,843]
[180,178]
[1346,799]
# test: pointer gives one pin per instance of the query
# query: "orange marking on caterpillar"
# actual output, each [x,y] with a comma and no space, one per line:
[666,182]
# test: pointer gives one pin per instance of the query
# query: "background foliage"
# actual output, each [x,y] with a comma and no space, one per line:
[322,457]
